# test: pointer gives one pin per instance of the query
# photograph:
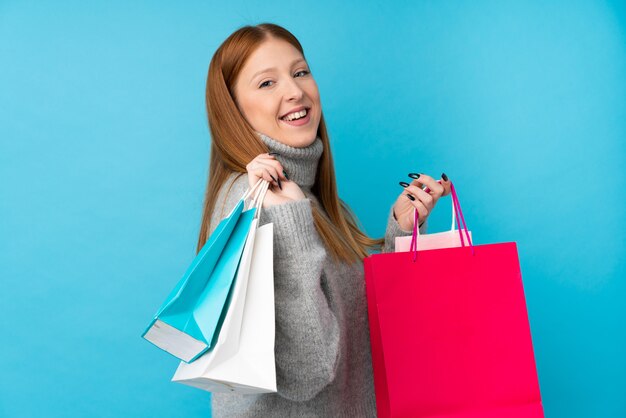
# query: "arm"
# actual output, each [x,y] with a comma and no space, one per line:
[307,331]
[307,343]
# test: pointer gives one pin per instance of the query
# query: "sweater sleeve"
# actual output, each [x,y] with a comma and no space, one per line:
[307,344]
[307,332]
[394,230]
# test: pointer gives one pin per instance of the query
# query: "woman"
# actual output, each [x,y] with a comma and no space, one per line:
[266,122]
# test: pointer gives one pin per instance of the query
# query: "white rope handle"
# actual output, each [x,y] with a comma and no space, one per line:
[257,202]
[262,193]
[250,190]
[246,194]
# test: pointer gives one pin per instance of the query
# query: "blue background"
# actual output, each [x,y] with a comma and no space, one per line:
[104,152]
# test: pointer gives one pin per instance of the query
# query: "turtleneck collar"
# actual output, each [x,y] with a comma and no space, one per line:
[300,163]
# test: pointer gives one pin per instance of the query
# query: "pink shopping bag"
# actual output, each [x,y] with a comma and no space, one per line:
[449,332]
[445,239]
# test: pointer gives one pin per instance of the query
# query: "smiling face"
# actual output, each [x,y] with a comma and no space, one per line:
[274,82]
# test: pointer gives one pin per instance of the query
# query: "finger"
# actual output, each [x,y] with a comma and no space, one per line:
[263,171]
[422,211]
[271,160]
[430,183]
[265,175]
[445,182]
[426,198]
[446,187]
[273,167]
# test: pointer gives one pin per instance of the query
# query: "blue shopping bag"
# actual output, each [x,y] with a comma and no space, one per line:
[188,323]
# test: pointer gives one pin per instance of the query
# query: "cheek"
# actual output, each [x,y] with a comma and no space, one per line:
[258,109]
[314,94]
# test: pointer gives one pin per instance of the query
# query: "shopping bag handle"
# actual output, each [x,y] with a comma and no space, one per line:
[452,214]
[250,190]
[257,201]
[245,195]
[457,213]
[460,218]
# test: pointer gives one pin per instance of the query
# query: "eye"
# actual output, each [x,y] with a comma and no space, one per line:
[264,84]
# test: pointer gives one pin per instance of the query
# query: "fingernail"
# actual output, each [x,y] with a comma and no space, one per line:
[444,177]
[410,197]
[404,184]
[273,153]
[414,175]
[285,173]
[279,186]
[272,177]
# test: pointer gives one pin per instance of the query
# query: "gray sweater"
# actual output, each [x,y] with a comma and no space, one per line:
[322,348]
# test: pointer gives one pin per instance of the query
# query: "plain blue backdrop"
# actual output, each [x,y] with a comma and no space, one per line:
[104,152]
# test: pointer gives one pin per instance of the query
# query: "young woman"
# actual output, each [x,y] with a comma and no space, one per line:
[266,121]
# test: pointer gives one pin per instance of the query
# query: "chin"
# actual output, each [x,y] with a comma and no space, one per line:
[297,140]
[304,140]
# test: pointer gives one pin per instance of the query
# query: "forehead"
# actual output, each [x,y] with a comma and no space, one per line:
[271,53]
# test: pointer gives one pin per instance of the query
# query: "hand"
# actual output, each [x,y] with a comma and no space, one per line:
[281,189]
[423,199]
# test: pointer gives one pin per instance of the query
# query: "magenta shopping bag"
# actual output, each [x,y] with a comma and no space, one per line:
[449,332]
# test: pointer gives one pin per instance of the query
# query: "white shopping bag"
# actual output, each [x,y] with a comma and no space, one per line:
[447,239]
[243,358]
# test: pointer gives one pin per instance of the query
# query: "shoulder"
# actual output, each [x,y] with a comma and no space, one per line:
[228,196]
[234,183]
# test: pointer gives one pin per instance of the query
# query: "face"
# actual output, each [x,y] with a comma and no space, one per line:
[275,82]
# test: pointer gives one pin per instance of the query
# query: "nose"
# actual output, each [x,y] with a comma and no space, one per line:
[293,91]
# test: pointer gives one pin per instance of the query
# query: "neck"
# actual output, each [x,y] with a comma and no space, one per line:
[300,163]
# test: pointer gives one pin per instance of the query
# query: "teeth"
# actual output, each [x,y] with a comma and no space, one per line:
[296,115]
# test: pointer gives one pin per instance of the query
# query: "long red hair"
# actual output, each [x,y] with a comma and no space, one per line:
[234,144]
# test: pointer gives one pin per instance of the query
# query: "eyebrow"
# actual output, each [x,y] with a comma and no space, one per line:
[274,68]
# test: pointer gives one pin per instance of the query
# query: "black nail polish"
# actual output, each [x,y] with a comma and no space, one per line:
[279,186]
[444,177]
[272,177]
[273,153]
[404,184]
[410,197]
[285,173]
[414,176]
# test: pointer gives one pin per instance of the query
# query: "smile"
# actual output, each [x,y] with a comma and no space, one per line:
[297,118]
